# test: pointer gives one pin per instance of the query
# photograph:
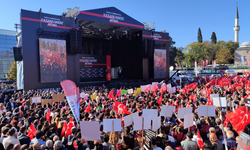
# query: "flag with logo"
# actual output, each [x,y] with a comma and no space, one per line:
[70,90]
[120,108]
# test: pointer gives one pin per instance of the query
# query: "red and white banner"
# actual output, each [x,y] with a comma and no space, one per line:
[71,92]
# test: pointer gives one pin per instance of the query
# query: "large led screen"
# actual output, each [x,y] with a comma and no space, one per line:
[160,69]
[92,67]
[53,62]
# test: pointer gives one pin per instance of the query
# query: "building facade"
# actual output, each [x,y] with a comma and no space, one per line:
[242,53]
[7,42]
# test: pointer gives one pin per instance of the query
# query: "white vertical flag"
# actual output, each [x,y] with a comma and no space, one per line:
[242,60]
[195,64]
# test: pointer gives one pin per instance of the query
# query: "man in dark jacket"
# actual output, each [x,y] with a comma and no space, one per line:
[11,105]
[23,138]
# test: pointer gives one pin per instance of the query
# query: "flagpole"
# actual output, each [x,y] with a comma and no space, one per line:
[113,131]
[142,132]
[223,131]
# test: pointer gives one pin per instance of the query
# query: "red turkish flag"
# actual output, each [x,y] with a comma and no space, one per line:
[199,140]
[48,115]
[88,109]
[120,108]
[155,87]
[147,89]
[239,118]
[184,90]
[70,125]
[63,129]
[32,131]
[111,94]
[243,123]
[193,97]
[192,86]
[119,92]
[159,100]
[164,88]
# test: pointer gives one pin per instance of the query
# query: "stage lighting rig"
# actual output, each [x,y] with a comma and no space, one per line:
[72,13]
[149,26]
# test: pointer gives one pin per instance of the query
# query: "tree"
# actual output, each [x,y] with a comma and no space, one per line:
[223,56]
[179,57]
[213,38]
[199,36]
[13,71]
[172,51]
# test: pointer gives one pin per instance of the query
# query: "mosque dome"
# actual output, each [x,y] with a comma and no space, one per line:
[245,44]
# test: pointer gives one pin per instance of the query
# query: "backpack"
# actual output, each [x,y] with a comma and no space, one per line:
[71,139]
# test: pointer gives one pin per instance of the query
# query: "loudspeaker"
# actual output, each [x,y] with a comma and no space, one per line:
[75,41]
[18,54]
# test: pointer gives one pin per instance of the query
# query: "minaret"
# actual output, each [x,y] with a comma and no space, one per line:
[236,27]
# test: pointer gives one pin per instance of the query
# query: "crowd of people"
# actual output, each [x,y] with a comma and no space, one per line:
[20,119]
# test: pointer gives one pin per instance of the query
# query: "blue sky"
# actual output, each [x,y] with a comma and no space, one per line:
[180,18]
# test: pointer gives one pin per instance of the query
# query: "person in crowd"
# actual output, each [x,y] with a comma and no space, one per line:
[106,145]
[23,138]
[17,147]
[188,144]
[49,145]
[231,142]
[11,139]
[4,135]
[52,135]
[216,144]
[38,137]
[156,143]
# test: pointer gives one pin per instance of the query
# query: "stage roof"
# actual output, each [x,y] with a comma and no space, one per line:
[109,18]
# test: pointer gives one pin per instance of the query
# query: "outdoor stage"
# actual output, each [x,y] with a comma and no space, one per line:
[89,50]
[119,83]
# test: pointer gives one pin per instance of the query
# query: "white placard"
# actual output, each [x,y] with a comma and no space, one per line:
[156,123]
[188,120]
[143,87]
[90,130]
[36,99]
[183,111]
[138,124]
[129,119]
[151,113]
[223,101]
[82,95]
[130,91]
[108,125]
[167,111]
[220,101]
[169,87]
[206,111]
[147,123]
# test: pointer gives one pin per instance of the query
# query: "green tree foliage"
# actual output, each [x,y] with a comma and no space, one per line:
[213,38]
[172,51]
[223,56]
[208,51]
[179,57]
[12,72]
[199,36]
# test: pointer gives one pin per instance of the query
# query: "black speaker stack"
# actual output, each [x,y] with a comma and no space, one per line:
[75,41]
[18,54]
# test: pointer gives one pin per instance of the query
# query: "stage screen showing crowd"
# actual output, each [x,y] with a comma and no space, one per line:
[160,69]
[53,61]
